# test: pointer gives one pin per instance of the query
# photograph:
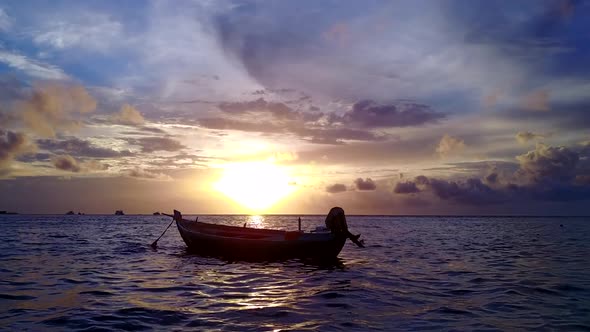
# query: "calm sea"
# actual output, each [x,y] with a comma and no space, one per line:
[98,273]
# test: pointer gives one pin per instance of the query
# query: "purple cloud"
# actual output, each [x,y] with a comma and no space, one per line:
[370,114]
[336,188]
[367,184]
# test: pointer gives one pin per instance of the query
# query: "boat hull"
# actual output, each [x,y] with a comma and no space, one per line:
[257,244]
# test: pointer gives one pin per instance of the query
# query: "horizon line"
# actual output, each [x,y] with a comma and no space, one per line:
[304,214]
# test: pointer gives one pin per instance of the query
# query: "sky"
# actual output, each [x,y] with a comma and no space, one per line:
[380,107]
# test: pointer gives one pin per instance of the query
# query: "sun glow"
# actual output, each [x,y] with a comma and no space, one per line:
[256,186]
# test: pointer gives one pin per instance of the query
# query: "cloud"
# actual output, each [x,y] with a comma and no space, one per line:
[492,178]
[307,131]
[221,123]
[80,148]
[356,124]
[152,144]
[52,107]
[536,101]
[407,187]
[32,67]
[548,164]
[450,145]
[97,32]
[322,135]
[152,130]
[6,21]
[470,192]
[140,173]
[369,114]
[12,145]
[367,184]
[276,109]
[546,173]
[524,137]
[95,165]
[66,163]
[128,115]
[70,164]
[336,188]
[33,157]
[285,156]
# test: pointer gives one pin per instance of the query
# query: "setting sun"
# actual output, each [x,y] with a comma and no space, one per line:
[256,186]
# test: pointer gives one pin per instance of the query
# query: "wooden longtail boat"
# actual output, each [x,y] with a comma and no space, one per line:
[266,244]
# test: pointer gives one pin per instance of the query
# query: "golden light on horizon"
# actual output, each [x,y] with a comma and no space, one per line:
[256,186]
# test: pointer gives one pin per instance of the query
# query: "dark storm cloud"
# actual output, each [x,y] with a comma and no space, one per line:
[336,188]
[548,163]
[266,39]
[256,34]
[12,144]
[546,173]
[66,163]
[369,114]
[357,124]
[491,178]
[471,191]
[367,184]
[308,131]
[152,144]
[529,29]
[81,148]
[407,187]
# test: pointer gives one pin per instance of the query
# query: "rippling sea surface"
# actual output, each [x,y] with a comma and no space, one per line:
[98,273]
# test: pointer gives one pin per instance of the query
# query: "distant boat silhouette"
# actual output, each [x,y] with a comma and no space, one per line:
[119,213]
[69,213]
[156,213]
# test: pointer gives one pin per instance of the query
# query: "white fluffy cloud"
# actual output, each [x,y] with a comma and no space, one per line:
[5,21]
[450,145]
[97,32]
[31,67]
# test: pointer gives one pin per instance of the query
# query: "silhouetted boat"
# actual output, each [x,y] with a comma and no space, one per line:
[156,213]
[265,244]
[119,213]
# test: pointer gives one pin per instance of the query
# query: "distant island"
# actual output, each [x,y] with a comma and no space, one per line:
[7,212]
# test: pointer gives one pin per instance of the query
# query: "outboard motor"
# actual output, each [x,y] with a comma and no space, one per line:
[336,223]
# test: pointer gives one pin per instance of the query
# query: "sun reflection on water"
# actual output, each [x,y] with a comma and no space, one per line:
[255,221]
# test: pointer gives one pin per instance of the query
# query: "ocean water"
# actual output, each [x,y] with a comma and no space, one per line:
[98,273]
